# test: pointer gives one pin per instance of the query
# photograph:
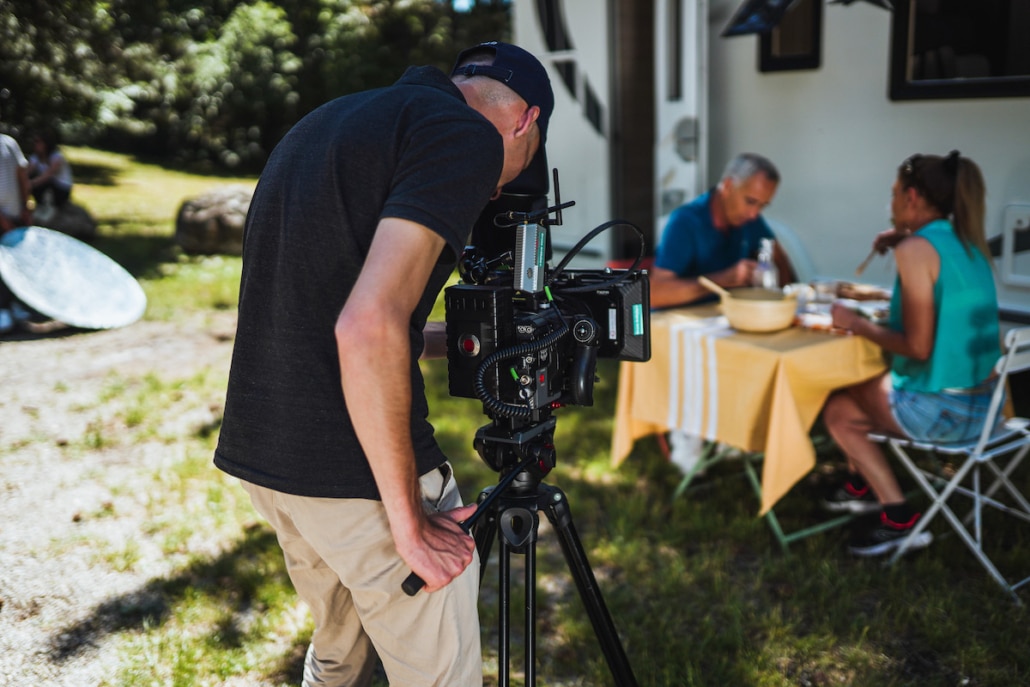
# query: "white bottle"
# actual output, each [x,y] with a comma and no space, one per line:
[766,276]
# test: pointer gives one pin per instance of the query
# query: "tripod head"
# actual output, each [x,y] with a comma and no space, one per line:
[509,442]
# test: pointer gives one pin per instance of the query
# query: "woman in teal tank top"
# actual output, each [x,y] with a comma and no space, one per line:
[942,335]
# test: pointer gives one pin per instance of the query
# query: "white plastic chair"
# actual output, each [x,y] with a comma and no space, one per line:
[800,259]
[1010,438]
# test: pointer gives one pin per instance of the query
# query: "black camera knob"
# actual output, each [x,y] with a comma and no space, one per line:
[584,331]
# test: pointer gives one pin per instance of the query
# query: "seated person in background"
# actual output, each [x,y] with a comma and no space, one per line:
[944,336]
[14,212]
[49,171]
[718,235]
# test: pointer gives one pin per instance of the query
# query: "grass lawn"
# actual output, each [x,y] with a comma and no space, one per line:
[698,588]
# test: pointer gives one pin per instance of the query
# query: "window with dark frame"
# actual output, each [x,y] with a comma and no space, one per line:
[674,29]
[960,49]
[796,42]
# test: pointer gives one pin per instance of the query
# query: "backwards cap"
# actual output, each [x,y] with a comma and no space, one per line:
[519,70]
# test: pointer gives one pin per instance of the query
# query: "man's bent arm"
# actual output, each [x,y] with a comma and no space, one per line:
[668,289]
[375,359]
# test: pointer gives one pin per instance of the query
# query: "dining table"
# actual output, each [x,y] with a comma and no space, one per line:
[757,392]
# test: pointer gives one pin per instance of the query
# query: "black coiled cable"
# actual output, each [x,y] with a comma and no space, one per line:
[491,403]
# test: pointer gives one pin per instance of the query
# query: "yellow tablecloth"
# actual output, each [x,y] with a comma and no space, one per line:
[758,392]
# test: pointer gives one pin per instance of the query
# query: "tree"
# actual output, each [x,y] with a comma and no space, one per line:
[214,82]
[48,68]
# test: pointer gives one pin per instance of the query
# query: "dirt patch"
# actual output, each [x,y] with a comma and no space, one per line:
[53,496]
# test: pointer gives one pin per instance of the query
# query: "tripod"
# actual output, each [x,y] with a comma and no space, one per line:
[523,453]
[512,509]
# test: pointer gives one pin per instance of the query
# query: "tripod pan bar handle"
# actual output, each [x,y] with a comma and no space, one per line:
[413,583]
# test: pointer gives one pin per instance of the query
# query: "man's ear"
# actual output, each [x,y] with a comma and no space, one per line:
[529,115]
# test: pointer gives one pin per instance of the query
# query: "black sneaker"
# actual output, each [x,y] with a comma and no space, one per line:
[847,499]
[885,536]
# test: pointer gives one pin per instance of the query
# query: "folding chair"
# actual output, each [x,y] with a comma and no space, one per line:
[1010,438]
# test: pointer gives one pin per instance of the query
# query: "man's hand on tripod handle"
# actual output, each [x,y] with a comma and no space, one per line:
[413,583]
[444,548]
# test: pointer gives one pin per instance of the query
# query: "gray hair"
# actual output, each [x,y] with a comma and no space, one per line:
[746,165]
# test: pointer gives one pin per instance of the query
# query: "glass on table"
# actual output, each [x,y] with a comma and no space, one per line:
[825,290]
[804,294]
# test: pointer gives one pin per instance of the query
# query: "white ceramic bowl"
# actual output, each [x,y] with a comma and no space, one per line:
[758,310]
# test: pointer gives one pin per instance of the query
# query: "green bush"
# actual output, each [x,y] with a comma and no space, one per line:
[212,84]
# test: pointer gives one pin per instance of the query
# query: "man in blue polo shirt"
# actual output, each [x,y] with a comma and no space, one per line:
[718,235]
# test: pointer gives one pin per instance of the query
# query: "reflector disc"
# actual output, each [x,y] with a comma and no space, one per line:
[69,281]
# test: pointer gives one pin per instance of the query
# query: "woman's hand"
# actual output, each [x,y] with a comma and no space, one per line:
[889,238]
[845,317]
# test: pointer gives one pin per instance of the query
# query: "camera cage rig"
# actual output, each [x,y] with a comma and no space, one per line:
[549,325]
[513,309]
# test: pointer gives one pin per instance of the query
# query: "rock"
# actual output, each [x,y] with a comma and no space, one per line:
[69,218]
[213,223]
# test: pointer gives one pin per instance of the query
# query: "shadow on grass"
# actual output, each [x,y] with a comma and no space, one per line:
[232,582]
[141,256]
[95,174]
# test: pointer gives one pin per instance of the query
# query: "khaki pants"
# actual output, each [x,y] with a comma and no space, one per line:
[341,558]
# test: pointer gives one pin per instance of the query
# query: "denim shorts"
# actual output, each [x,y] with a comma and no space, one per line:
[943,417]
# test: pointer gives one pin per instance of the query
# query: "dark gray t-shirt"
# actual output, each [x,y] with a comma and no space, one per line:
[414,150]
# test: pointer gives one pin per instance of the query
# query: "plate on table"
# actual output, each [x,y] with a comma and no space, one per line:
[876,310]
[819,321]
[862,292]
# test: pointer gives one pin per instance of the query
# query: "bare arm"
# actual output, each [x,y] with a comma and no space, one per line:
[26,191]
[25,216]
[375,357]
[918,269]
[668,289]
[889,238]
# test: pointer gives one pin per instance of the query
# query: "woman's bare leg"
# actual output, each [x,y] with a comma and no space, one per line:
[850,414]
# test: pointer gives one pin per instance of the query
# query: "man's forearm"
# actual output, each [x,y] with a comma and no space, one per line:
[671,291]
[374,369]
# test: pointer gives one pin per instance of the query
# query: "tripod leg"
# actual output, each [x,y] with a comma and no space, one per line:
[504,622]
[556,506]
[530,618]
[518,526]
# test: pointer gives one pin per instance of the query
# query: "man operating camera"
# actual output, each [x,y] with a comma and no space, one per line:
[355,225]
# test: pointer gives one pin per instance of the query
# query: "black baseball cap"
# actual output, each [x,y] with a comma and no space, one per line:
[519,70]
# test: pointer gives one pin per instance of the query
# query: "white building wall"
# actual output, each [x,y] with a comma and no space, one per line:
[838,139]
[580,152]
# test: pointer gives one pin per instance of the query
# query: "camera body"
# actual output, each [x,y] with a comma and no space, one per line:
[524,352]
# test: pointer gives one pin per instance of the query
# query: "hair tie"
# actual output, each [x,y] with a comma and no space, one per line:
[951,163]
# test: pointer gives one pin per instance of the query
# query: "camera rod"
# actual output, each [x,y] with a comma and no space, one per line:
[536,214]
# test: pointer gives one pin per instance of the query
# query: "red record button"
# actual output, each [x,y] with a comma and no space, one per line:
[468,344]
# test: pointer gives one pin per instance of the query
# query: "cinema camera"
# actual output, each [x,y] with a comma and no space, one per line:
[524,339]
